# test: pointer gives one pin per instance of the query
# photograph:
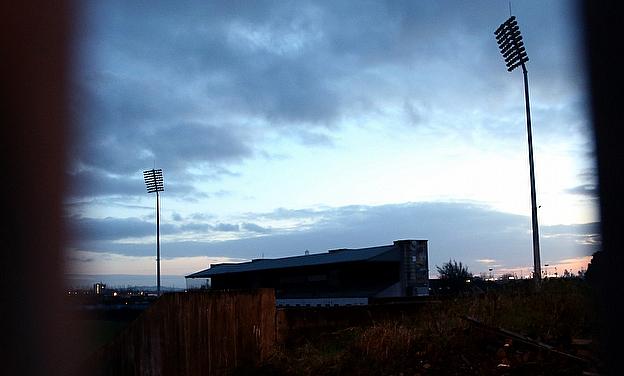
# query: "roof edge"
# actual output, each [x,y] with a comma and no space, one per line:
[332,252]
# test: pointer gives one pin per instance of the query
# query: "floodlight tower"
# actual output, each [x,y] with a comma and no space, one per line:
[512,48]
[154,183]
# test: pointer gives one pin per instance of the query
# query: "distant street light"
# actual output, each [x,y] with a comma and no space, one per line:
[512,48]
[154,183]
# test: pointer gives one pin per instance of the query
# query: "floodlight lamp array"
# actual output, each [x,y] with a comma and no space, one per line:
[510,44]
[153,180]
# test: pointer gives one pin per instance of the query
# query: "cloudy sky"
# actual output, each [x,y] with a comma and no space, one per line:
[289,126]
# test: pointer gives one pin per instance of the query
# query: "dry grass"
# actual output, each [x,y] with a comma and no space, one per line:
[437,340]
[386,342]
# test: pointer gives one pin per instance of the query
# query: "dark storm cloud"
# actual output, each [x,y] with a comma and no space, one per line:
[583,229]
[201,142]
[226,227]
[109,229]
[201,84]
[87,184]
[589,188]
[461,231]
[97,183]
[134,143]
[87,230]
[252,227]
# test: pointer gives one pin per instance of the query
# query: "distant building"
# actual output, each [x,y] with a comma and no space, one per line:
[338,277]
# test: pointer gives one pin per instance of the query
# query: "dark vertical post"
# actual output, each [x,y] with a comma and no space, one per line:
[512,49]
[537,268]
[154,184]
[157,243]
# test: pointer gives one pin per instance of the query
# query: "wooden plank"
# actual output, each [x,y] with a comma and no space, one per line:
[195,333]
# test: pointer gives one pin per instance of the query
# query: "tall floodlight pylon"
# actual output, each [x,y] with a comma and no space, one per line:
[154,183]
[512,48]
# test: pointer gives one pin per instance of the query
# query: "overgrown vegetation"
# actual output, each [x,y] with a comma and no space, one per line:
[436,339]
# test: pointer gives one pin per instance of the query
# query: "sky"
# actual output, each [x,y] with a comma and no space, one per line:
[284,127]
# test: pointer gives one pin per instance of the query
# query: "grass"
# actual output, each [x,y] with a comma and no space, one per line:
[437,340]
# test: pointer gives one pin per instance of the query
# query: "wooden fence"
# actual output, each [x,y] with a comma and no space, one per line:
[194,333]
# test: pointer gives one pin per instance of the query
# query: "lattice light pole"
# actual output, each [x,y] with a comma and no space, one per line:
[512,48]
[154,183]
